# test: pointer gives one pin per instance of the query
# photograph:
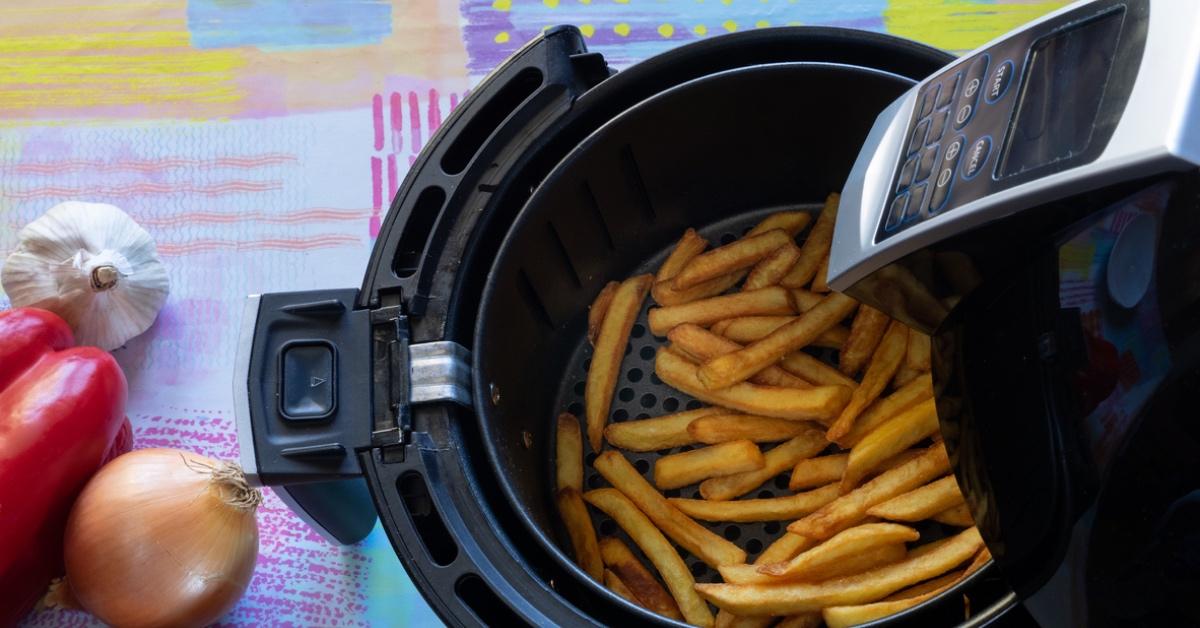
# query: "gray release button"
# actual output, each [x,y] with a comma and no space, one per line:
[307,381]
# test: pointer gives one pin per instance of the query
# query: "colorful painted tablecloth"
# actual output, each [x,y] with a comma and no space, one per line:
[260,142]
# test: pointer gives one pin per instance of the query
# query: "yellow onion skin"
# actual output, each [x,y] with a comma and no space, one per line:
[161,537]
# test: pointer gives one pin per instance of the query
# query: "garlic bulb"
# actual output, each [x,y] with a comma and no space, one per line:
[91,264]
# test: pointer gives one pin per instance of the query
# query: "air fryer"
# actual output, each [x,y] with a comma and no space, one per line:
[436,383]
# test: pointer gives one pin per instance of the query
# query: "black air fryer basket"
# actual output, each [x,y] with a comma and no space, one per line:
[442,376]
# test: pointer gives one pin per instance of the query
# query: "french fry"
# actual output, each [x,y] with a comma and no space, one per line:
[810,369]
[865,333]
[598,309]
[819,402]
[609,350]
[641,584]
[820,283]
[882,367]
[904,375]
[699,344]
[689,467]
[657,548]
[817,471]
[736,255]
[722,428]
[738,366]
[801,620]
[746,329]
[860,588]
[784,548]
[920,503]
[852,507]
[689,246]
[938,583]
[773,300]
[894,436]
[615,585]
[815,248]
[779,459]
[768,509]
[792,222]
[865,560]
[958,516]
[729,620]
[773,267]
[665,294]
[919,352]
[804,300]
[693,537]
[664,432]
[885,408]
[568,458]
[579,528]
[841,616]
[818,562]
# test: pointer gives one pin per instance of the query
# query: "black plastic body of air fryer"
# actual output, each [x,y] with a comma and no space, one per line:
[460,484]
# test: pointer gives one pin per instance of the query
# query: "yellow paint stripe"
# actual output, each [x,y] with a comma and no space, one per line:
[87,42]
[959,25]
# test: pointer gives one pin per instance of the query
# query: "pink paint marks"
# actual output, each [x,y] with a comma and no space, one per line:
[377,118]
[145,189]
[414,121]
[435,111]
[376,195]
[308,215]
[393,182]
[453,100]
[147,165]
[397,120]
[194,247]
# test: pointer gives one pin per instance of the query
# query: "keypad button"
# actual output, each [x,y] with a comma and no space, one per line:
[918,137]
[914,206]
[937,125]
[954,148]
[976,156]
[963,115]
[940,192]
[928,160]
[896,212]
[999,82]
[949,90]
[974,79]
[927,99]
[945,176]
[907,172]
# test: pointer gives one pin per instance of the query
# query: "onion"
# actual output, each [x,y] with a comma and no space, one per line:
[161,537]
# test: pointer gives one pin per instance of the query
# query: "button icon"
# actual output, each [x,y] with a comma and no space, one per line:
[977,156]
[953,148]
[971,88]
[1001,79]
[944,177]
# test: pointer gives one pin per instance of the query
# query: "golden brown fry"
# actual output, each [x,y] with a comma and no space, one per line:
[773,267]
[722,428]
[793,222]
[865,333]
[637,579]
[767,509]
[729,620]
[665,293]
[816,563]
[784,548]
[856,589]
[610,349]
[883,365]
[745,329]
[936,584]
[852,507]
[920,503]
[894,436]
[771,300]
[689,467]
[657,548]
[818,471]
[845,616]
[662,432]
[688,247]
[810,369]
[885,408]
[904,375]
[958,516]
[737,367]
[820,284]
[919,351]
[819,402]
[980,561]
[568,452]
[804,300]
[693,537]
[598,309]
[871,558]
[699,344]
[816,246]
[734,256]
[615,585]
[579,528]
[801,620]
[783,457]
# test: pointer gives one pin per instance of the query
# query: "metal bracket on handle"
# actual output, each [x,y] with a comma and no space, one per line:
[440,371]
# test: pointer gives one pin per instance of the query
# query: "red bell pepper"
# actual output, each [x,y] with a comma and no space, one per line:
[62,412]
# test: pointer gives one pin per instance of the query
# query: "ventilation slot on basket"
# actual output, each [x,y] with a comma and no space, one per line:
[485,121]
[633,176]
[489,609]
[566,257]
[411,249]
[589,201]
[428,523]
[530,296]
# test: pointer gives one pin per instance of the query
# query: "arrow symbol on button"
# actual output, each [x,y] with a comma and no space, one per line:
[316,381]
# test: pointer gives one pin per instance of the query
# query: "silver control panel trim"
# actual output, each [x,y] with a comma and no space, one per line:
[440,371]
[241,390]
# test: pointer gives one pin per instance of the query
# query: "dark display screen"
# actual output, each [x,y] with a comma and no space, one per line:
[1063,88]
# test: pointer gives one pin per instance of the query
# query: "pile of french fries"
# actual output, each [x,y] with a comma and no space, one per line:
[859,439]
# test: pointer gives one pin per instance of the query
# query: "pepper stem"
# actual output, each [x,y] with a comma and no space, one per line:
[105,277]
